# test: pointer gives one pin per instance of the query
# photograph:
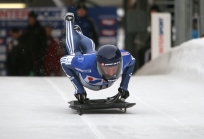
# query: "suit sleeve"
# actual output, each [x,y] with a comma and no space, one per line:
[128,66]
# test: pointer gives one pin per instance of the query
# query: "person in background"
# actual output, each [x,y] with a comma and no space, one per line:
[195,29]
[54,52]
[17,63]
[145,52]
[86,23]
[14,40]
[34,38]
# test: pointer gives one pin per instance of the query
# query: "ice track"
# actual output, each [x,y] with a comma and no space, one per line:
[169,105]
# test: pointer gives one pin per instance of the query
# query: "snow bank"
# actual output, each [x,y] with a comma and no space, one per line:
[184,60]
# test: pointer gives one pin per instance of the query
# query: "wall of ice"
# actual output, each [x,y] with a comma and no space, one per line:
[184,60]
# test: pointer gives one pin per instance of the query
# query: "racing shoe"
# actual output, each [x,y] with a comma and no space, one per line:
[81,97]
[77,28]
[124,94]
[69,17]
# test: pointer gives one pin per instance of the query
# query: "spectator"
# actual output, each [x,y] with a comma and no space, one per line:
[35,39]
[14,40]
[17,63]
[195,29]
[86,23]
[145,52]
[53,54]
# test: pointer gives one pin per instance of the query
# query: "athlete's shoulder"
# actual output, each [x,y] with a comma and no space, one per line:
[126,55]
[128,59]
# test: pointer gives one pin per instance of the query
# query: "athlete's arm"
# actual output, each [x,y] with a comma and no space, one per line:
[128,62]
[66,63]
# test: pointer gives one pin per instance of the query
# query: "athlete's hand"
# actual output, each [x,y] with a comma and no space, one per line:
[81,97]
[124,94]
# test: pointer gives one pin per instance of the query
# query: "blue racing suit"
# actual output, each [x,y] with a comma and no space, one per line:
[80,64]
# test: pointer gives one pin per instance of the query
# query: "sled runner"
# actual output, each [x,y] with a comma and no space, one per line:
[108,103]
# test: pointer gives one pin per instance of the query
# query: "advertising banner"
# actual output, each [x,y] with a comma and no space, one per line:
[160,34]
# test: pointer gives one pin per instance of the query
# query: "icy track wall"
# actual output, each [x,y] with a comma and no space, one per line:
[184,60]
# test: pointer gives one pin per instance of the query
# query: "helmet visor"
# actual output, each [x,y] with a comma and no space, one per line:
[109,72]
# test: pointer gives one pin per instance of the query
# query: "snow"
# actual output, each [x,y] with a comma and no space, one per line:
[184,60]
[169,93]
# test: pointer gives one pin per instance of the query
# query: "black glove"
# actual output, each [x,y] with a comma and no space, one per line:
[124,94]
[81,97]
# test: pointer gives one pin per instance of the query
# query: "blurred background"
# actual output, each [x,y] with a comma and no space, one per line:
[32,32]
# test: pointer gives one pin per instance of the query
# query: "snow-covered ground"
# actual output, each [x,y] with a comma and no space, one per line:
[169,101]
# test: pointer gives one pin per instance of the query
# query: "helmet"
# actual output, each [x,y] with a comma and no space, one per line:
[109,62]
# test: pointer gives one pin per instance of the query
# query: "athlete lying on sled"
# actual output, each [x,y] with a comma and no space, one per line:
[92,69]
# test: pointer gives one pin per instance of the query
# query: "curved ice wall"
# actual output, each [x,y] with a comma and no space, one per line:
[184,60]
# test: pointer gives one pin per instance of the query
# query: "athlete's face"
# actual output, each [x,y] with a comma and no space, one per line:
[110,70]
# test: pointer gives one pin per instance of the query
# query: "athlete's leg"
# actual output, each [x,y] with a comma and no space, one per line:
[72,40]
[76,42]
[86,44]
